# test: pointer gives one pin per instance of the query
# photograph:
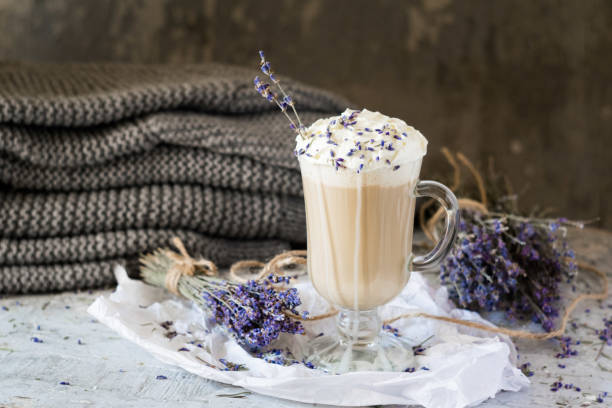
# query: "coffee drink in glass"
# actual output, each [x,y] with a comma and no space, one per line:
[360,173]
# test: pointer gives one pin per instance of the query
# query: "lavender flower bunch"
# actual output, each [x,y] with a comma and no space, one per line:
[504,262]
[281,99]
[254,313]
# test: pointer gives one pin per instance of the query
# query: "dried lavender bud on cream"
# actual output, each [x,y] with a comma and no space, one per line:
[361,141]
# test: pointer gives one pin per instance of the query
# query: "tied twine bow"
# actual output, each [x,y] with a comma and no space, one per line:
[183,264]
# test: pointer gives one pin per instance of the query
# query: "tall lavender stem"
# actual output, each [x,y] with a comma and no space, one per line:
[265,90]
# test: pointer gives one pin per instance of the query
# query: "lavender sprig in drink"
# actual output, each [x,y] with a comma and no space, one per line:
[265,90]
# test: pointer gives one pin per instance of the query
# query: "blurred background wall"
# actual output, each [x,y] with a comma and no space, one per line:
[528,83]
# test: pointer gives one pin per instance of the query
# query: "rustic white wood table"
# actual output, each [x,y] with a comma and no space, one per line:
[52,354]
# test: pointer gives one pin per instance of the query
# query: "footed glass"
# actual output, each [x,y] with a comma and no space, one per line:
[360,229]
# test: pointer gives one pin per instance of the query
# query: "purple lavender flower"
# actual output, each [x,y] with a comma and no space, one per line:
[229,366]
[393,330]
[601,396]
[308,364]
[526,370]
[508,263]
[265,90]
[255,312]
[605,334]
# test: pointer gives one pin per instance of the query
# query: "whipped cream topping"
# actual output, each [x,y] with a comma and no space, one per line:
[360,140]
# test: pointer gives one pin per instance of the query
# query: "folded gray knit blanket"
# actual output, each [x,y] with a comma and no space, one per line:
[100,163]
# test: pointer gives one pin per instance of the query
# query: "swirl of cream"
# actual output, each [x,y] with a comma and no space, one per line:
[361,141]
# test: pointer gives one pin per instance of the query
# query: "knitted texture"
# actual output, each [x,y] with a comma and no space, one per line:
[100,163]
[163,165]
[223,213]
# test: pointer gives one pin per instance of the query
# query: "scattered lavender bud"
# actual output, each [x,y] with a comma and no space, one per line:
[605,334]
[308,364]
[390,329]
[229,366]
[526,370]
[601,397]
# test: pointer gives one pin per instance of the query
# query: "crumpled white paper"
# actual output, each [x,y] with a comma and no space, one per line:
[466,366]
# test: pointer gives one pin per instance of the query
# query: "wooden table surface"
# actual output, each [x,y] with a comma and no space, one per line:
[105,370]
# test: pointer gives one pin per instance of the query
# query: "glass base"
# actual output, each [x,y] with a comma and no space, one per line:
[359,345]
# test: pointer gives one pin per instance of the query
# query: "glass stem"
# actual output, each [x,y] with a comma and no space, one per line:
[358,328]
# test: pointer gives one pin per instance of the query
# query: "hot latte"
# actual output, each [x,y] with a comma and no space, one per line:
[359,173]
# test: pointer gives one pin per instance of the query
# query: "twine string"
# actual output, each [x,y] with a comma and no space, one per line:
[464,204]
[184,264]
[479,181]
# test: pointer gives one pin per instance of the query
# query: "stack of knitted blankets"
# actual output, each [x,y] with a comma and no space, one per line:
[100,163]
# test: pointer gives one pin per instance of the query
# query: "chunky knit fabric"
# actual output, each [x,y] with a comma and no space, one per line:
[100,163]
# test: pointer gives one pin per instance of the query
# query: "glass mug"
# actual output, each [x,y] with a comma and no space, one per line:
[360,229]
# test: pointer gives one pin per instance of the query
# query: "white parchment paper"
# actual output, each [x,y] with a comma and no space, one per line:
[463,366]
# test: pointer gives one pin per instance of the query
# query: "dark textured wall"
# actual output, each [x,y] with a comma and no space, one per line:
[526,82]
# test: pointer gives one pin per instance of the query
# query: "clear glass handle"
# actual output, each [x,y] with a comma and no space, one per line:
[448,201]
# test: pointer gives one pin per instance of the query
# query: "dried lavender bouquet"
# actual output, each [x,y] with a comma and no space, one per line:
[505,260]
[254,313]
